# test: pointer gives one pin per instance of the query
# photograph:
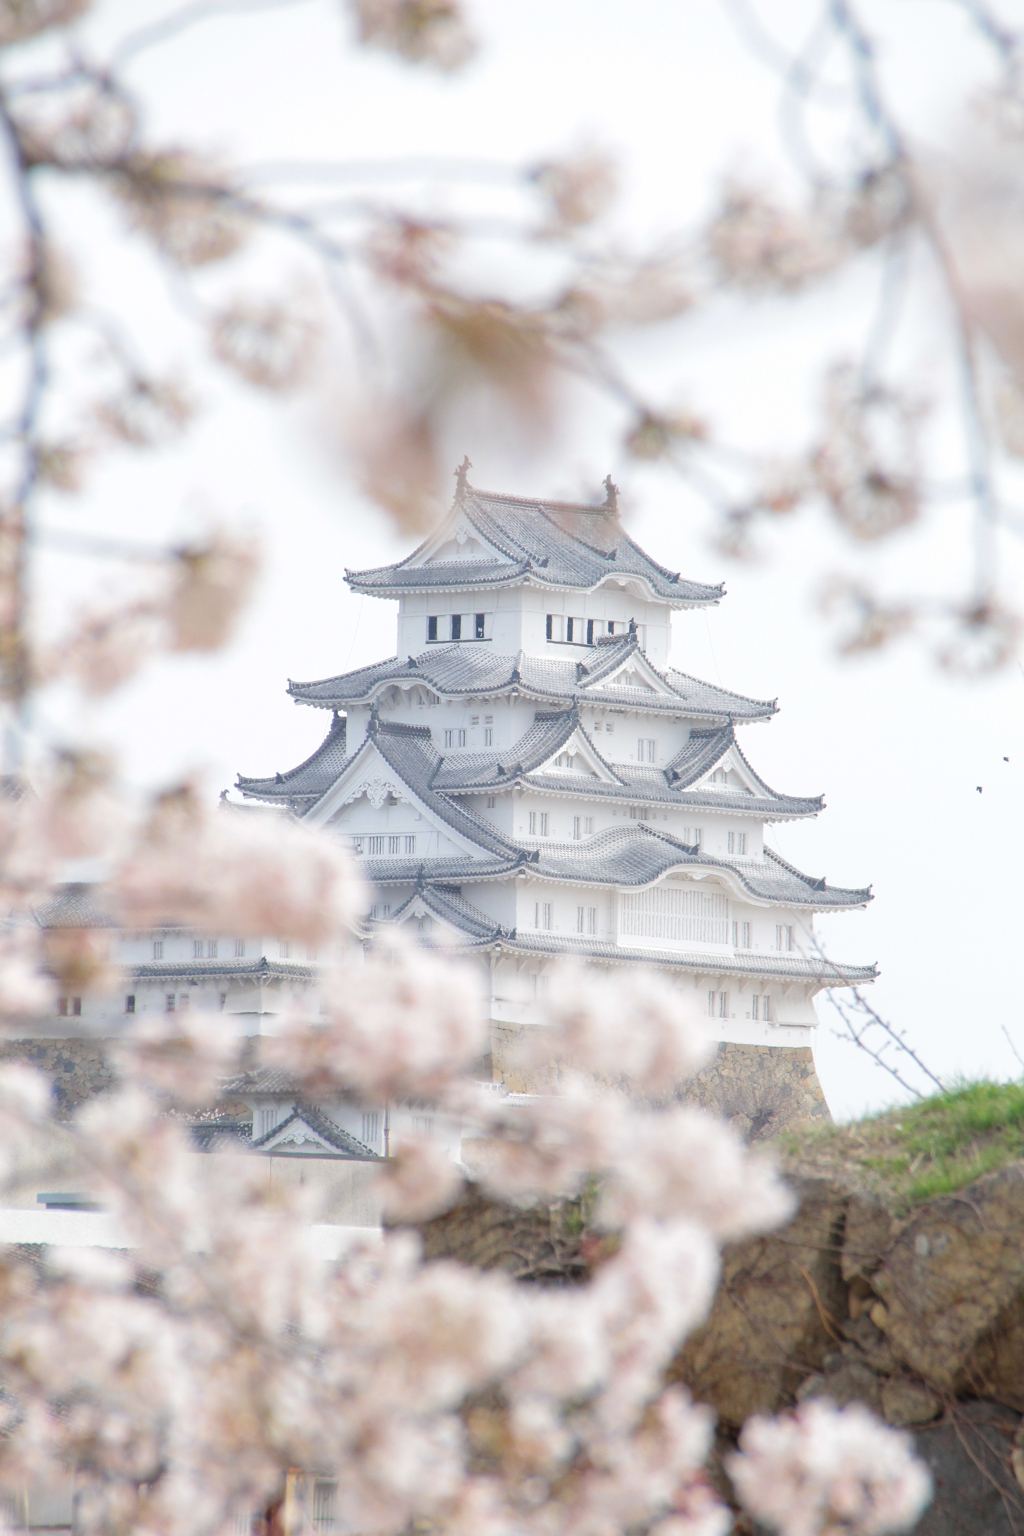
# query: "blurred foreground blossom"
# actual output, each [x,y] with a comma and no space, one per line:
[823,1471]
[183,202]
[268,342]
[236,871]
[420,31]
[582,1014]
[756,242]
[867,465]
[20,19]
[401,1023]
[211,584]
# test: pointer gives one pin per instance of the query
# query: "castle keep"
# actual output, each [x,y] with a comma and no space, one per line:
[529,778]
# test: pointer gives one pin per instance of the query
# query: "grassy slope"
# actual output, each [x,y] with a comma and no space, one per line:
[908,1154]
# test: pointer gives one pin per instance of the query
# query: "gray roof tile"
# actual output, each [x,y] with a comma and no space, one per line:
[343,1143]
[632,855]
[549,543]
[302,785]
[222,970]
[473,670]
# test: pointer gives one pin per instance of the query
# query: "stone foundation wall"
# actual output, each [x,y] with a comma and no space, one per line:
[762,1089]
[79,1069]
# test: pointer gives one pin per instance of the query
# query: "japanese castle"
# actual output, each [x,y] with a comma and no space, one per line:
[529,778]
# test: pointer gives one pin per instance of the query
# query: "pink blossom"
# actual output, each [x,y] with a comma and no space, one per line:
[683,1162]
[236,871]
[420,1180]
[399,1024]
[823,1471]
[635,1028]
[549,1146]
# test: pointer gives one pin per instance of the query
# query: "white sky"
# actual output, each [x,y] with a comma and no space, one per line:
[897,748]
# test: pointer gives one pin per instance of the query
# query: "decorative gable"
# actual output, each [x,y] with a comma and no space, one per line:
[579,756]
[461,542]
[635,672]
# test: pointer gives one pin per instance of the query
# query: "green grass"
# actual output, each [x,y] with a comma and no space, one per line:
[932,1147]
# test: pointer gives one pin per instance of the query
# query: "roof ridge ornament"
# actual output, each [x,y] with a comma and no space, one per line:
[460,477]
[611,498]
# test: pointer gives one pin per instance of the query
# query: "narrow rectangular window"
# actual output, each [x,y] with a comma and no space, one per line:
[183,1001]
[536,914]
[76,1007]
[462,739]
[741,842]
[158,949]
[735,935]
[543,823]
[211,950]
[456,626]
[577,833]
[488,736]
[285,949]
[698,838]
[746,935]
[394,845]
[723,1005]
[549,626]
[591,919]
[129,1003]
[711,1004]
[652,750]
[778,936]
[449,738]
[478,625]
[223,1001]
[239,949]
[371,1127]
[732,842]
[432,627]
[569,623]
[588,825]
[375,844]
[789,938]
[755,1005]
[169,1003]
[410,846]
[474,719]
[547,914]
[491,802]
[580,916]
[357,847]
[62,1007]
[533,823]
[766,1008]
[197,948]
[611,626]
[590,631]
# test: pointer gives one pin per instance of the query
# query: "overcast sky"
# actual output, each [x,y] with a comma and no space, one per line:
[898,749]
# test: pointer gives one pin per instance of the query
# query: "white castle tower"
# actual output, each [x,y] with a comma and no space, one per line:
[529,778]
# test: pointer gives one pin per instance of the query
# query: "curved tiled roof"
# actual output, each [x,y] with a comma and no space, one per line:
[524,763]
[342,1142]
[471,669]
[72,906]
[455,910]
[302,785]
[635,855]
[548,543]
[222,970]
[750,962]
